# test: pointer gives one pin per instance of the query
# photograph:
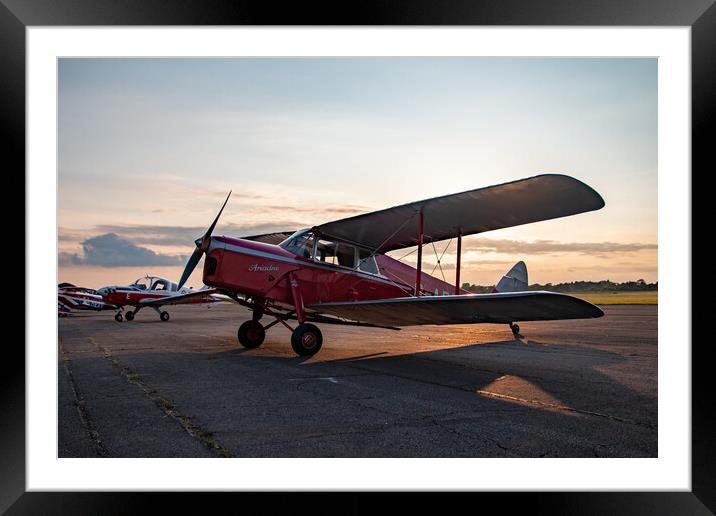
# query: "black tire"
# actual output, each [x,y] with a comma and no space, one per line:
[251,334]
[118,317]
[164,316]
[129,316]
[306,340]
[515,329]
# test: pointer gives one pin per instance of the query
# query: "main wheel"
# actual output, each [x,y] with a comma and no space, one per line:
[129,316]
[118,317]
[164,316]
[515,329]
[251,334]
[306,339]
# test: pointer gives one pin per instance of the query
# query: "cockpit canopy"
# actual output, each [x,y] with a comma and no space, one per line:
[154,283]
[307,245]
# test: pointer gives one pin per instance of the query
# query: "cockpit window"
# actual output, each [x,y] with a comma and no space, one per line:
[366,262]
[346,255]
[142,283]
[304,243]
[300,244]
[336,254]
[160,284]
[326,251]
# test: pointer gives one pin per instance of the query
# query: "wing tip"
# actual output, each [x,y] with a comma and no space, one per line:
[595,312]
[596,196]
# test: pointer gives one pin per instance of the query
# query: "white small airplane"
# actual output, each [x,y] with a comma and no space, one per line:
[154,292]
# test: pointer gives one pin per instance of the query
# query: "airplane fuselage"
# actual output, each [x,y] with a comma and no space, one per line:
[124,296]
[264,271]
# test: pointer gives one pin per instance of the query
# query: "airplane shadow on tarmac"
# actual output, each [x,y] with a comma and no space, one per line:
[524,371]
[540,375]
[527,395]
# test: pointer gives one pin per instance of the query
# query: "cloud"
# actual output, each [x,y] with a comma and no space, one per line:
[69,235]
[600,250]
[178,186]
[66,259]
[111,250]
[185,235]
[552,246]
[316,210]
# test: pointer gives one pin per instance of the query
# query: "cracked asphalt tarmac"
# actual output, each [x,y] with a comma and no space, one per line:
[186,388]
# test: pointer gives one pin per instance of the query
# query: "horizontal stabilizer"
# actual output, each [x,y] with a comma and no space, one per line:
[464,309]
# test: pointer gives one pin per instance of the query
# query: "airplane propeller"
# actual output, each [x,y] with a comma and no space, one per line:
[201,247]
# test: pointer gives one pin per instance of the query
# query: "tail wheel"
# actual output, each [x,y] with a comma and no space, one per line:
[164,316]
[118,317]
[129,316]
[251,334]
[515,329]
[306,339]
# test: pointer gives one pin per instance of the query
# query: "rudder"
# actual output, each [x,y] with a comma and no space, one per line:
[515,280]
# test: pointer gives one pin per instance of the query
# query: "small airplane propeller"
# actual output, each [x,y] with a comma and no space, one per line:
[201,246]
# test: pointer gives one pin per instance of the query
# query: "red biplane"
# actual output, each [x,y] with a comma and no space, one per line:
[338,272]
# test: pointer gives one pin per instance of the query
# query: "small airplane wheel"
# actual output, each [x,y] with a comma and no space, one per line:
[118,317]
[306,339]
[129,316]
[251,334]
[515,329]
[164,316]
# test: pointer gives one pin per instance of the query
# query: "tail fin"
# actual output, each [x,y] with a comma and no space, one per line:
[515,280]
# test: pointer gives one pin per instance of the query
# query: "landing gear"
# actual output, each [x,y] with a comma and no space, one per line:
[129,316]
[251,334]
[118,317]
[306,339]
[164,316]
[515,330]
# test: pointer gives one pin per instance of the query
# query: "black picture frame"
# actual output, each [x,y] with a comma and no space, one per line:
[17,15]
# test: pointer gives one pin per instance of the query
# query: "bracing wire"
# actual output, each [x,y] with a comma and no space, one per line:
[440,259]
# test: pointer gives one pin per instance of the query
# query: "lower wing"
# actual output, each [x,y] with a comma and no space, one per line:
[473,308]
[178,299]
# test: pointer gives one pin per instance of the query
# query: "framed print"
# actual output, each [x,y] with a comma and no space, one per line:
[116,118]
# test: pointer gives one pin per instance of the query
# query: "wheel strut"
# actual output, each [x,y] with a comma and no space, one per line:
[516,330]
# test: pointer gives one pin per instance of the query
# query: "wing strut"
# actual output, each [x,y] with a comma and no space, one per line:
[457,266]
[421,227]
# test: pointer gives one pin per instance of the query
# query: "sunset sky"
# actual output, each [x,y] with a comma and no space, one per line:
[148,149]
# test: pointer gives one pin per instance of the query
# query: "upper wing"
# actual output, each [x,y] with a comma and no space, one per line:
[537,198]
[270,238]
[178,299]
[463,309]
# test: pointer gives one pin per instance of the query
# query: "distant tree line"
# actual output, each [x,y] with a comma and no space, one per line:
[577,286]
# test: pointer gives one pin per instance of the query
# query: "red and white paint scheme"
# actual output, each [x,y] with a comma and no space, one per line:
[154,292]
[338,272]
[70,297]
